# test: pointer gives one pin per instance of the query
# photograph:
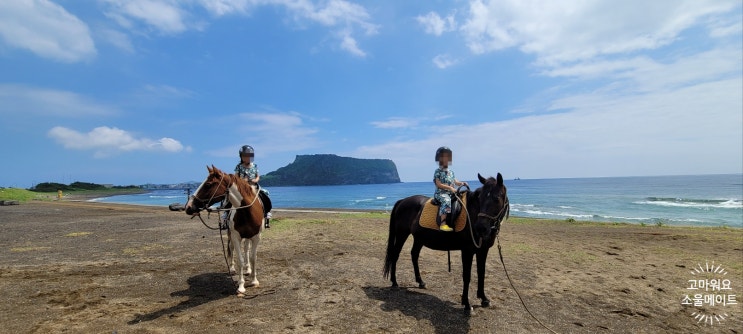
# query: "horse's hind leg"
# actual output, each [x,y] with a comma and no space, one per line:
[393,254]
[247,246]
[414,254]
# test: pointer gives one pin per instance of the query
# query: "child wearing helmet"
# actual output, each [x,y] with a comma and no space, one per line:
[247,169]
[445,182]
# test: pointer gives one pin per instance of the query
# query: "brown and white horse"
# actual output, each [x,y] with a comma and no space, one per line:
[245,222]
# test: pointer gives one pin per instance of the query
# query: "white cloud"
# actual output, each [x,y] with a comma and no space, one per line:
[165,16]
[115,38]
[225,7]
[436,25]
[24,100]
[107,141]
[165,91]
[172,17]
[45,29]
[444,61]
[349,44]
[408,122]
[272,130]
[396,123]
[566,31]
[685,130]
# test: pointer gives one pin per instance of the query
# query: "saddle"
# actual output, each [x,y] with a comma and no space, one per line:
[263,195]
[455,219]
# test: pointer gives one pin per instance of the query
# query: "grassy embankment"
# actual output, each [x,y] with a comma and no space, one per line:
[24,195]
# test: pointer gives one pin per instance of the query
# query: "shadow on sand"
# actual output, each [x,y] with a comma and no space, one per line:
[445,316]
[202,289]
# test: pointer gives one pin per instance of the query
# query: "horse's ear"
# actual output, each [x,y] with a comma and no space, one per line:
[500,179]
[482,179]
[208,169]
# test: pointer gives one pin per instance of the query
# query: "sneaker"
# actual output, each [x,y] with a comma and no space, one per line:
[445,228]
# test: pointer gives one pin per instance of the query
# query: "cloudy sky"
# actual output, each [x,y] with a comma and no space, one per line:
[138,91]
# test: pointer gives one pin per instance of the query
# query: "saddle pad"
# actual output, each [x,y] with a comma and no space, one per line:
[430,211]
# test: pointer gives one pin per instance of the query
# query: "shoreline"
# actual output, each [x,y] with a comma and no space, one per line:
[379,211]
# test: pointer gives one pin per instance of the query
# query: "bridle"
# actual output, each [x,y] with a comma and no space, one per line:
[496,220]
[226,192]
[214,195]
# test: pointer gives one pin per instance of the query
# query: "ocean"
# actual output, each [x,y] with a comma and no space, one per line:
[700,200]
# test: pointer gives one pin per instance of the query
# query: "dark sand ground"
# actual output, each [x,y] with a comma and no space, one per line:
[82,267]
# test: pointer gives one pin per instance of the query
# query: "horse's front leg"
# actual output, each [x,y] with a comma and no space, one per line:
[231,253]
[236,240]
[482,256]
[414,254]
[252,258]
[466,276]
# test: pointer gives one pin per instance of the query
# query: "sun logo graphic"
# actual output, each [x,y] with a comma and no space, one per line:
[709,292]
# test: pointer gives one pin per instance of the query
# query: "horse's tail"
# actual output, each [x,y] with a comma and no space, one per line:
[390,258]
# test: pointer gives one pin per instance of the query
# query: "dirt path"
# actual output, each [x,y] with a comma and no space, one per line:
[99,268]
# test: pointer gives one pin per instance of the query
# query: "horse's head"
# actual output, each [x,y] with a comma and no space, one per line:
[494,207]
[212,190]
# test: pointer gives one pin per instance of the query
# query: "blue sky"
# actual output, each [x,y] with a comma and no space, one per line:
[140,91]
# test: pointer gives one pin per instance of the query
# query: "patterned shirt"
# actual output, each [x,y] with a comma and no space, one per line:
[248,173]
[445,176]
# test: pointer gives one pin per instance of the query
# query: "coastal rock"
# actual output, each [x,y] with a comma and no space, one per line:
[330,169]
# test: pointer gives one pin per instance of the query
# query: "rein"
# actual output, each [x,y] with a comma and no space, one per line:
[221,178]
[225,195]
[495,220]
[220,209]
[500,254]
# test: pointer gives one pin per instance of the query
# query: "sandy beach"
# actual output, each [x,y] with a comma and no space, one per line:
[81,267]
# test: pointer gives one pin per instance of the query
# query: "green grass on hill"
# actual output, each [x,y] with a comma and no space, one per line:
[23,195]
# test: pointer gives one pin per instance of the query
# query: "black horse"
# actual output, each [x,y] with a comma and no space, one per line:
[486,208]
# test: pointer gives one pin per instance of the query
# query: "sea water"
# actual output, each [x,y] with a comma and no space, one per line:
[701,200]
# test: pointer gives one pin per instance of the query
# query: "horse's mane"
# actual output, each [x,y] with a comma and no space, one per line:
[242,185]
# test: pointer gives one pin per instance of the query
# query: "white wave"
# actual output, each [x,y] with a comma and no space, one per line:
[549,213]
[728,204]
[166,196]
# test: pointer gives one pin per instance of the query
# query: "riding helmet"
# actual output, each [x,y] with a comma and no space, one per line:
[247,150]
[442,150]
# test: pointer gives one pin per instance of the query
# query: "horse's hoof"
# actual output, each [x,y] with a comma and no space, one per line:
[485,303]
[467,310]
[422,285]
[240,295]
[254,284]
